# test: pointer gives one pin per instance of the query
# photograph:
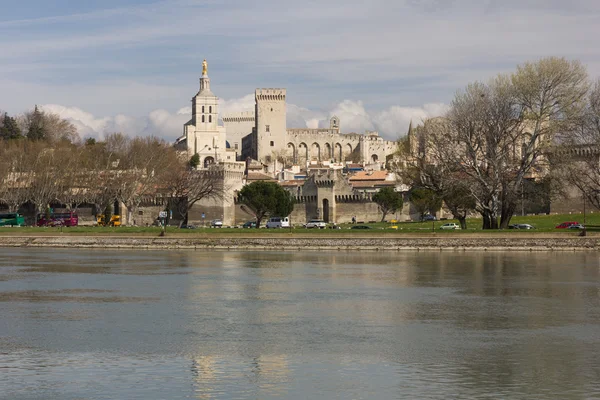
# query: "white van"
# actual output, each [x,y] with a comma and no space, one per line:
[278,222]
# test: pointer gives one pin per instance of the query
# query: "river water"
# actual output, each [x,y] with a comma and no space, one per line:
[106,324]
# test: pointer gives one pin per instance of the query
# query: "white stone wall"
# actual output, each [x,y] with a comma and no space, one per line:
[376,149]
[203,133]
[238,125]
[320,146]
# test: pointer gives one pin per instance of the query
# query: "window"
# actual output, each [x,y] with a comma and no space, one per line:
[210,118]
[203,118]
[267,128]
[272,143]
[210,109]
[203,109]
[271,108]
[236,146]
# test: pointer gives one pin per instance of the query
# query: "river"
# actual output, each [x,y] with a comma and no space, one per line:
[106,324]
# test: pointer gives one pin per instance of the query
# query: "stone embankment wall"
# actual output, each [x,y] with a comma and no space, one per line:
[312,243]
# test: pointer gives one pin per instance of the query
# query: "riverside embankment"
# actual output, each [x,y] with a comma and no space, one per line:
[286,241]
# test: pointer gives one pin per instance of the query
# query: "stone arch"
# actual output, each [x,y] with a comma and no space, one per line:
[326,210]
[338,152]
[303,151]
[292,152]
[208,161]
[374,158]
[315,151]
[327,151]
[348,149]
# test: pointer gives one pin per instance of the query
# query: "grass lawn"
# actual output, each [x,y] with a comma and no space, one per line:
[542,223]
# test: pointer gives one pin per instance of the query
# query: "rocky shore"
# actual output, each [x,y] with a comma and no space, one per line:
[456,243]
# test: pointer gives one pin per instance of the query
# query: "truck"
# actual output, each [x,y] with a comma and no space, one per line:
[115,220]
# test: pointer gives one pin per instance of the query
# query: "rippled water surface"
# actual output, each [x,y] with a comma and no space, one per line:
[90,324]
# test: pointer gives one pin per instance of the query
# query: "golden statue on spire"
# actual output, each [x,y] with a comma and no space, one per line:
[204,67]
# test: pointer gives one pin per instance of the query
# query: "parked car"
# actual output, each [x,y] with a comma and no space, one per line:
[577,226]
[316,223]
[450,225]
[360,227]
[216,223]
[249,224]
[429,217]
[278,222]
[565,225]
[521,226]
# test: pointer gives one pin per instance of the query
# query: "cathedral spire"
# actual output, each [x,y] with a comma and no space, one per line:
[204,79]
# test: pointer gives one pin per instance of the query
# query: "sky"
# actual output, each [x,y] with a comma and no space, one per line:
[133,65]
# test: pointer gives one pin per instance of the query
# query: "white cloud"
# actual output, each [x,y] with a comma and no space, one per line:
[160,123]
[300,117]
[391,123]
[245,103]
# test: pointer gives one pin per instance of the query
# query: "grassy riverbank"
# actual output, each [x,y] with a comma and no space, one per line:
[543,224]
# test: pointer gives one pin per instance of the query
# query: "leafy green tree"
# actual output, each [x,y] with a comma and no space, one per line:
[425,200]
[194,161]
[9,129]
[266,199]
[388,200]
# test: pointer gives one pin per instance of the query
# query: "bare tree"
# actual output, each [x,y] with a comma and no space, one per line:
[582,154]
[146,161]
[48,127]
[98,168]
[14,176]
[551,96]
[44,169]
[187,186]
[499,132]
[426,159]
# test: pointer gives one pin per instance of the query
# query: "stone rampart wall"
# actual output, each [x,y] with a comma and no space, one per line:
[217,242]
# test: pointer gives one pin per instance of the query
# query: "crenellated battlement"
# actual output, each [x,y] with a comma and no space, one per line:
[242,116]
[270,94]
[307,131]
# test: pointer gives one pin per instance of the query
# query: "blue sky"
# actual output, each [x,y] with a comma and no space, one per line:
[133,65]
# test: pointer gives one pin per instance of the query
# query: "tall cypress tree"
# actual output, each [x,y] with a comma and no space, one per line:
[36,125]
[10,129]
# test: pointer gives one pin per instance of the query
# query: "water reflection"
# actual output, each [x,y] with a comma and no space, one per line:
[216,325]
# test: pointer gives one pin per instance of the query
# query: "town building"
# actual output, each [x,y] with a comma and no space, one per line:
[316,165]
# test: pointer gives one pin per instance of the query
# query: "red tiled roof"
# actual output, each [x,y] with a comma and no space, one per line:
[297,182]
[368,184]
[369,176]
[259,176]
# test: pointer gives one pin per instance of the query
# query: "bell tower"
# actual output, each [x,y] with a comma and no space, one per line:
[204,136]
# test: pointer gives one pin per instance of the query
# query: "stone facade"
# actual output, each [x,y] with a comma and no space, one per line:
[237,126]
[220,208]
[263,135]
[203,135]
[269,138]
